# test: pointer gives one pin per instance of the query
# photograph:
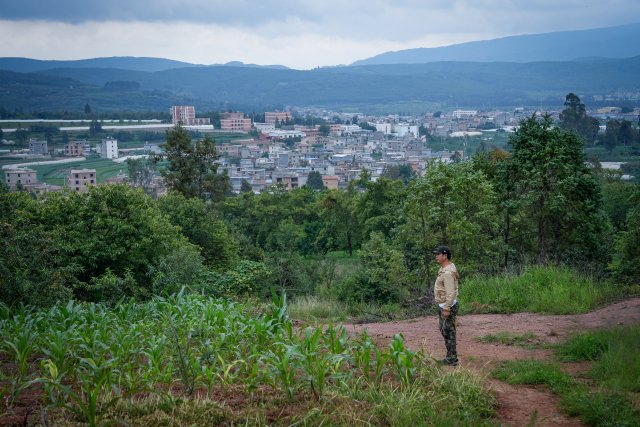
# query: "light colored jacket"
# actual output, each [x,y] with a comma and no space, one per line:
[445,291]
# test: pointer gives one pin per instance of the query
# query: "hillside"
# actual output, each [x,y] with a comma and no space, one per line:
[611,42]
[390,87]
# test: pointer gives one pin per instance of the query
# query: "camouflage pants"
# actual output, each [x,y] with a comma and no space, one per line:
[448,331]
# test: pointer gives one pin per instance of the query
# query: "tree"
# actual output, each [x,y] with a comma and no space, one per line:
[191,170]
[402,172]
[21,136]
[452,204]
[367,126]
[385,278]
[378,208]
[341,226]
[628,268]
[110,243]
[574,117]
[87,109]
[324,129]
[314,181]
[199,224]
[245,186]
[552,199]
[611,135]
[95,127]
[141,173]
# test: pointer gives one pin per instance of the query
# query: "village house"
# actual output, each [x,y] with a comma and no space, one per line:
[38,147]
[20,177]
[78,180]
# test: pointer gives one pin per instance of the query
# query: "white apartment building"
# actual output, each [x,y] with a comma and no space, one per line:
[460,114]
[108,148]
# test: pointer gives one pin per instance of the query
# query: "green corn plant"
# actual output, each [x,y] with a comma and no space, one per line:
[58,345]
[403,360]
[379,361]
[22,345]
[252,371]
[315,362]
[362,355]
[183,356]
[336,339]
[280,362]
[228,373]
[279,319]
[94,381]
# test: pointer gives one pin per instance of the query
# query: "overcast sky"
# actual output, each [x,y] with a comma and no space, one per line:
[297,33]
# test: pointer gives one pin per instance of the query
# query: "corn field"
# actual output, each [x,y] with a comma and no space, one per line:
[82,359]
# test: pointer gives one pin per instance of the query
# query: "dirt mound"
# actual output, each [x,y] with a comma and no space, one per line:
[518,405]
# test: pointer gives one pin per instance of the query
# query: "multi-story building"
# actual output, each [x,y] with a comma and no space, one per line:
[235,122]
[186,115]
[270,117]
[79,179]
[38,147]
[22,177]
[330,181]
[288,179]
[183,114]
[459,114]
[108,148]
[76,149]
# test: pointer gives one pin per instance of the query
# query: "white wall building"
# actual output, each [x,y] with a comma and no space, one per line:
[459,114]
[108,148]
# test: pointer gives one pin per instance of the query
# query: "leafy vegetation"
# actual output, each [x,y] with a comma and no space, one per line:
[143,360]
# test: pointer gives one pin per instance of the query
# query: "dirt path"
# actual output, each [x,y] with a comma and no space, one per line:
[518,405]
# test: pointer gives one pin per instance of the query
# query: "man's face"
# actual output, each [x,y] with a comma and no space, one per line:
[440,258]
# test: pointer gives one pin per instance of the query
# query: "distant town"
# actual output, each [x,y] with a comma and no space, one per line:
[277,151]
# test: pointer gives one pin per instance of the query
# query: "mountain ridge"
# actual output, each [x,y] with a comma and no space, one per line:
[381,87]
[618,41]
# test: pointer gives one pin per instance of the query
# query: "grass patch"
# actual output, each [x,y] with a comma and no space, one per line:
[615,352]
[533,372]
[602,407]
[528,339]
[551,290]
[312,308]
[436,398]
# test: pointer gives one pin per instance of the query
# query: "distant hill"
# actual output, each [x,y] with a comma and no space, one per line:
[379,88]
[27,65]
[610,42]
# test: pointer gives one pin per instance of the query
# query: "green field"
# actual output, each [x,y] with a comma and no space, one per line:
[55,174]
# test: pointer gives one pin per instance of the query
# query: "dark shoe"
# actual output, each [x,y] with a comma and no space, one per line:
[448,362]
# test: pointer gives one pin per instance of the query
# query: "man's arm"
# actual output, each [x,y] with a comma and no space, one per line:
[450,292]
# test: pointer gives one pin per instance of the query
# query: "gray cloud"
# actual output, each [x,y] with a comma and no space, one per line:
[394,20]
[296,33]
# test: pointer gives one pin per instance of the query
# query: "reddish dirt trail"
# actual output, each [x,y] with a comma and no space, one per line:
[518,405]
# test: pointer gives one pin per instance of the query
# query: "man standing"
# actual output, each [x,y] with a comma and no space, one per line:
[445,293]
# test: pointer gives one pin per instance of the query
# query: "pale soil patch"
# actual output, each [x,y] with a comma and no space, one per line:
[518,405]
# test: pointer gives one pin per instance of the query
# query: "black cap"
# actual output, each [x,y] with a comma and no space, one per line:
[442,250]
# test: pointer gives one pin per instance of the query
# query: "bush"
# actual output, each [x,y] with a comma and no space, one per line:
[109,243]
[382,279]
